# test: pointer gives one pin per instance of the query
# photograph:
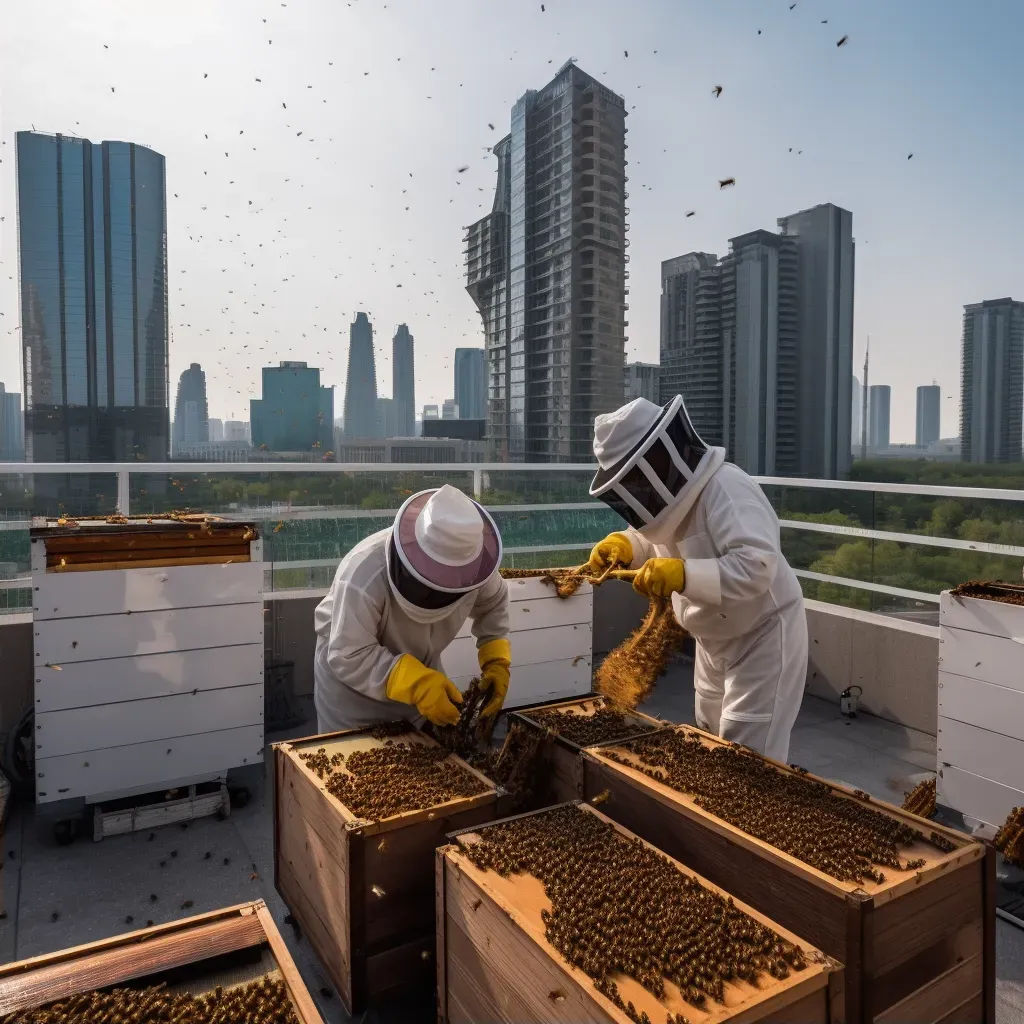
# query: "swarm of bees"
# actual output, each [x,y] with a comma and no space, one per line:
[800,815]
[603,725]
[260,1002]
[618,906]
[394,778]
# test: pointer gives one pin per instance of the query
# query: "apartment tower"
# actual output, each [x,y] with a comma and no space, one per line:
[547,270]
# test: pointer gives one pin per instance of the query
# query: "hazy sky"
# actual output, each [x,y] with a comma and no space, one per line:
[285,220]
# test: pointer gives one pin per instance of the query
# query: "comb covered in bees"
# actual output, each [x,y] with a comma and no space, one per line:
[259,1002]
[395,777]
[865,881]
[586,723]
[629,933]
[794,812]
[229,965]
[357,817]
[563,728]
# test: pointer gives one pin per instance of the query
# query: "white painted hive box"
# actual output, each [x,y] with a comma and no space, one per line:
[147,676]
[981,707]
[552,644]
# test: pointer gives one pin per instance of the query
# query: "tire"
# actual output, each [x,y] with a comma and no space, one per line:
[19,754]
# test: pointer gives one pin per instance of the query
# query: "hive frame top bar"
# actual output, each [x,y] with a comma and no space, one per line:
[524,713]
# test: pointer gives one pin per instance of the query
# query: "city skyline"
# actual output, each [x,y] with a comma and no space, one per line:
[789,87]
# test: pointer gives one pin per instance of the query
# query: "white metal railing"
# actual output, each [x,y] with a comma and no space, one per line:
[480,473]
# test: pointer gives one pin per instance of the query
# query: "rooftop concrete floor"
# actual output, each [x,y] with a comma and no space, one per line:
[94,887]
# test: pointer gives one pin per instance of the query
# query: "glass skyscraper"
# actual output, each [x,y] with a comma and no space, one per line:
[295,413]
[361,381]
[403,382]
[191,411]
[93,257]
[471,383]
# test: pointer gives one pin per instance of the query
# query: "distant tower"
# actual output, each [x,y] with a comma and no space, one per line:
[878,416]
[992,381]
[361,382]
[471,383]
[864,404]
[929,399]
[191,413]
[403,380]
[547,270]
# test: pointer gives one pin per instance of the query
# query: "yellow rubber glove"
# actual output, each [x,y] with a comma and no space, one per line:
[660,577]
[495,659]
[431,692]
[614,549]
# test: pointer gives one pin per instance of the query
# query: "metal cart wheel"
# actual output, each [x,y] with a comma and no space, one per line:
[19,754]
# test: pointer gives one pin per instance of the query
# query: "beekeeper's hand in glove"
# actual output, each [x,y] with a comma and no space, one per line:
[431,692]
[615,549]
[660,577]
[495,659]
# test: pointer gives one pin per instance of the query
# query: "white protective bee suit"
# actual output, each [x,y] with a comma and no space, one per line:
[366,623]
[741,601]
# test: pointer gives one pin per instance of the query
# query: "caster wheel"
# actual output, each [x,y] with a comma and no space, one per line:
[64,832]
[239,796]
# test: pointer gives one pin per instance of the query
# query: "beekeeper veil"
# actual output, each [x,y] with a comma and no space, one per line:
[653,465]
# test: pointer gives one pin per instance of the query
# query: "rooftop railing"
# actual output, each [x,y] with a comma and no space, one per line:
[877,546]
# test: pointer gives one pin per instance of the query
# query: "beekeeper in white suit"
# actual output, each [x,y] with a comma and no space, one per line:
[702,532]
[397,601]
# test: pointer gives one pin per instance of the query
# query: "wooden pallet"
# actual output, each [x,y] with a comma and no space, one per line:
[362,891]
[494,963]
[157,811]
[918,947]
[232,946]
[563,765]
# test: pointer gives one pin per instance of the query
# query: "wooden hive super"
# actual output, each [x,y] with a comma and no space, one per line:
[230,948]
[361,890]
[496,965]
[562,777]
[919,946]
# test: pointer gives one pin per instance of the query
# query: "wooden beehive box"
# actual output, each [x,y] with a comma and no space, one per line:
[494,963]
[228,947]
[563,765]
[981,703]
[919,946]
[552,644]
[362,891]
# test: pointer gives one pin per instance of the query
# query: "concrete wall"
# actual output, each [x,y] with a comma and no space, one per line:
[894,661]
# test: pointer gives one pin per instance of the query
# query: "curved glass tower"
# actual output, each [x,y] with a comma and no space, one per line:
[92,222]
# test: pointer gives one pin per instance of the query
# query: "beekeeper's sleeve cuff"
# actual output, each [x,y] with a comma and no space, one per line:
[703,581]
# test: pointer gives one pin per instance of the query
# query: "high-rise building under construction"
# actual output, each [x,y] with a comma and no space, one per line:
[547,270]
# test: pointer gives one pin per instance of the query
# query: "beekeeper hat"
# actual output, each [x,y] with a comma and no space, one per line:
[446,541]
[650,459]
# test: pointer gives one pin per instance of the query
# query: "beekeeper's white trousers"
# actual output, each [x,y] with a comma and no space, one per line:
[749,689]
